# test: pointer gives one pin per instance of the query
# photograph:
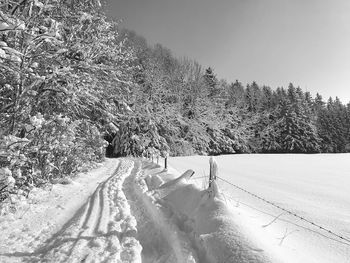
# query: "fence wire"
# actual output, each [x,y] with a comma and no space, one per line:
[335,236]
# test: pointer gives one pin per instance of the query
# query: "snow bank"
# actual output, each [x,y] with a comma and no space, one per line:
[204,217]
[175,246]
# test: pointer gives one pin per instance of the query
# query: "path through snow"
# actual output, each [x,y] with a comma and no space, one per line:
[102,229]
[161,239]
[130,210]
[119,222]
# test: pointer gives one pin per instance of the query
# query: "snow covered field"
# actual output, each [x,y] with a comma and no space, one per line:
[316,187]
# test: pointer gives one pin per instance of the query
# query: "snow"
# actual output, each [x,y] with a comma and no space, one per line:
[205,218]
[312,186]
[132,210]
[161,239]
[73,222]
[107,215]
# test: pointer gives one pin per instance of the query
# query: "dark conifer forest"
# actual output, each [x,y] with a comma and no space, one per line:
[74,83]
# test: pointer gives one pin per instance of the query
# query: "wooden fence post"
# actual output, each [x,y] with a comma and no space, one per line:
[213,170]
[166,162]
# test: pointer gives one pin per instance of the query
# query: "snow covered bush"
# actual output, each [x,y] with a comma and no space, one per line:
[7,182]
[181,147]
[53,148]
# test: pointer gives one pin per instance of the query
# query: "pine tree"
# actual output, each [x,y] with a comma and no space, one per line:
[235,94]
[297,131]
[267,98]
[319,104]
[211,83]
[253,97]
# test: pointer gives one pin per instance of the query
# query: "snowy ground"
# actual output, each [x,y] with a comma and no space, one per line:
[131,210]
[57,220]
[315,187]
[128,210]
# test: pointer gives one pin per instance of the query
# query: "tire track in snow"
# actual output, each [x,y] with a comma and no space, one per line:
[99,231]
[109,227]
[78,250]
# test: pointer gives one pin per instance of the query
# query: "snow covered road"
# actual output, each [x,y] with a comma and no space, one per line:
[118,222]
[102,229]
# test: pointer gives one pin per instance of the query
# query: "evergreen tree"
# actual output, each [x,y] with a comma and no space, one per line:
[295,130]
[211,83]
[235,94]
[253,97]
[267,99]
[319,104]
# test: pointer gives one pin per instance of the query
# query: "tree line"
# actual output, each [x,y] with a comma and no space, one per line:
[72,83]
[196,113]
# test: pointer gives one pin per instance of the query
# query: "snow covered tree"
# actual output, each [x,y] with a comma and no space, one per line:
[298,132]
[211,83]
[235,95]
[253,97]
[292,129]
[62,73]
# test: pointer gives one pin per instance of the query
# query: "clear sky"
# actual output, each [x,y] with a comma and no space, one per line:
[273,42]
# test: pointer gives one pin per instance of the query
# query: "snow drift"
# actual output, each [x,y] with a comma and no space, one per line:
[204,217]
